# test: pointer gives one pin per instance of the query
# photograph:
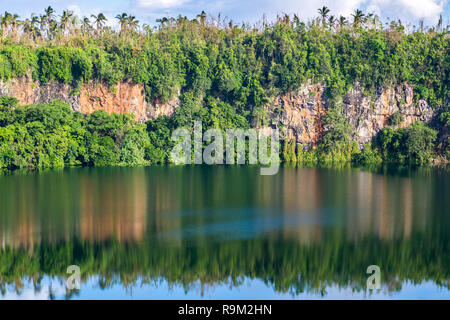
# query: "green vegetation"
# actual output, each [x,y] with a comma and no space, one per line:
[242,65]
[225,73]
[287,266]
[53,135]
[414,146]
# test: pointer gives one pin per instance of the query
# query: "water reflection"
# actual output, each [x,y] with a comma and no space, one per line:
[303,230]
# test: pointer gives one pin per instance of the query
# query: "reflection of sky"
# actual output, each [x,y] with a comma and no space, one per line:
[249,289]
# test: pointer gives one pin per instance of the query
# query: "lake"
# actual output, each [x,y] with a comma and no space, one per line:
[220,232]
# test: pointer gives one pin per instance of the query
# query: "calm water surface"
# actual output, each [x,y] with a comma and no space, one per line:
[224,233]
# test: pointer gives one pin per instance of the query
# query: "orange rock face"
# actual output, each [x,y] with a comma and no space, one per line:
[124,98]
[299,114]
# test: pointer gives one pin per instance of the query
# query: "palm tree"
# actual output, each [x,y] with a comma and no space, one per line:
[27,27]
[358,18]
[85,26]
[147,29]
[5,21]
[42,24]
[342,22]
[35,23]
[132,23]
[439,25]
[162,21]
[123,19]
[202,18]
[49,14]
[181,19]
[53,29]
[331,21]
[13,21]
[65,20]
[324,13]
[99,21]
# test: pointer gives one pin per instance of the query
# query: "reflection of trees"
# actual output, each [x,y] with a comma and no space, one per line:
[288,266]
[130,223]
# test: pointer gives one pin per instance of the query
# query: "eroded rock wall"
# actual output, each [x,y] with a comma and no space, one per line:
[299,114]
[124,97]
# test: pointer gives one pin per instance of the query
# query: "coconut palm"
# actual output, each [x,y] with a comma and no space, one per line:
[49,14]
[123,20]
[331,21]
[358,18]
[35,21]
[42,24]
[27,27]
[86,26]
[66,20]
[5,21]
[162,21]
[323,12]
[12,20]
[99,21]
[202,18]
[342,22]
[132,23]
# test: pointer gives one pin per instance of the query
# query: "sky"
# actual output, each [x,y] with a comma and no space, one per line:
[251,11]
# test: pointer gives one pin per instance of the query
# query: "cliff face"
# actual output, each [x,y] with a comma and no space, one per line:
[125,97]
[299,113]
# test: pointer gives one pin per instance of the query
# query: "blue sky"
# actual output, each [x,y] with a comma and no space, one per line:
[251,11]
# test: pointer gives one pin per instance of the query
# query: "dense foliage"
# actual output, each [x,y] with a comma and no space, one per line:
[224,74]
[287,266]
[242,65]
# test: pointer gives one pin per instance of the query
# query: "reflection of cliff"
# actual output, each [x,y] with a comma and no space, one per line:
[113,206]
[302,229]
[130,204]
[361,203]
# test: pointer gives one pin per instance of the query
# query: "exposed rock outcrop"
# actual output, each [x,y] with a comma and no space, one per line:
[124,97]
[299,114]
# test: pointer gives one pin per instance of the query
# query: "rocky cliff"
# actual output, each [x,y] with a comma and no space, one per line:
[124,97]
[299,113]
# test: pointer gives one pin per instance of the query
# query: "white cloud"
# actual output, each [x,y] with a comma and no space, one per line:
[160,4]
[408,9]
